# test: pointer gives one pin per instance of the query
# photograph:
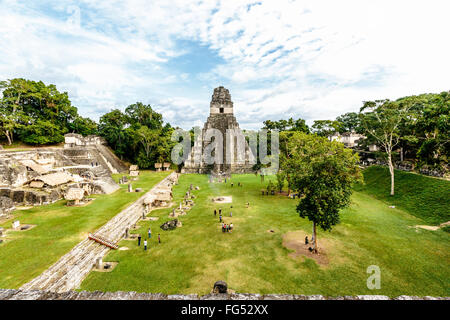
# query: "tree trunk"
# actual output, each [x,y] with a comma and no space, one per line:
[391,170]
[9,138]
[289,184]
[315,238]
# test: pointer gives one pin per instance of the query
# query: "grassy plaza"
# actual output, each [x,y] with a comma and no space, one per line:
[413,261]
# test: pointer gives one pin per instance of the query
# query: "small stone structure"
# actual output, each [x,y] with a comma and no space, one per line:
[171,224]
[166,166]
[134,170]
[75,196]
[158,166]
[6,206]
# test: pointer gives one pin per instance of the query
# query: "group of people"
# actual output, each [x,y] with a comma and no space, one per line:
[227,227]
[149,237]
[220,213]
[239,184]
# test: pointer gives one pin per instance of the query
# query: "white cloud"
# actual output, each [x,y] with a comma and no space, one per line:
[311,59]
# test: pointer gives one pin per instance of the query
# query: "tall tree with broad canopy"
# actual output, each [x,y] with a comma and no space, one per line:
[382,119]
[35,112]
[323,172]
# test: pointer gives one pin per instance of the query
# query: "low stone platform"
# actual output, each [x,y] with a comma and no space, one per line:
[13,294]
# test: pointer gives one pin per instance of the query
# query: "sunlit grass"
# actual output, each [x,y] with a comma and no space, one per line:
[26,254]
[191,258]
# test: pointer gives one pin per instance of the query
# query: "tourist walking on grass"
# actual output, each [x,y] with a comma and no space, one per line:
[215,212]
[159,238]
[145,244]
[220,217]
[231,226]
[139,240]
[149,233]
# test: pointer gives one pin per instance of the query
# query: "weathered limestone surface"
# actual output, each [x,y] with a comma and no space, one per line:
[25,175]
[13,294]
[68,272]
[91,149]
[6,205]
[221,118]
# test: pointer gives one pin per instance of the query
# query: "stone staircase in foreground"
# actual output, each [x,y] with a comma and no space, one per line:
[69,271]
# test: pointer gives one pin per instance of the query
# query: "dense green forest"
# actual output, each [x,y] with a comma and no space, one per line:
[34,113]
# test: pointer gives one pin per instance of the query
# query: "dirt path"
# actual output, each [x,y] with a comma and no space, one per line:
[433,228]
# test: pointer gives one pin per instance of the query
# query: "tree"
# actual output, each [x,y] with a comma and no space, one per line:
[381,119]
[84,126]
[349,122]
[281,176]
[140,114]
[138,134]
[11,111]
[326,128]
[287,125]
[324,172]
[148,138]
[112,127]
[432,127]
[30,108]
[8,123]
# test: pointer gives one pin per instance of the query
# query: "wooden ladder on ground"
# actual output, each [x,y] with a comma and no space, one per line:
[103,241]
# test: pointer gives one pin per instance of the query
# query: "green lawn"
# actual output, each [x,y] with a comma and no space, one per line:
[26,254]
[425,197]
[191,258]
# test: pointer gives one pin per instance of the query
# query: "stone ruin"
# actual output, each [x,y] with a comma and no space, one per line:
[6,206]
[222,118]
[171,224]
[134,170]
[76,196]
[44,175]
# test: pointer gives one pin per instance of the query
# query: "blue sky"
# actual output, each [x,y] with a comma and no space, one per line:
[279,59]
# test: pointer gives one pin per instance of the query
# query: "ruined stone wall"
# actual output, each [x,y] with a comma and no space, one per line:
[31,197]
[13,294]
